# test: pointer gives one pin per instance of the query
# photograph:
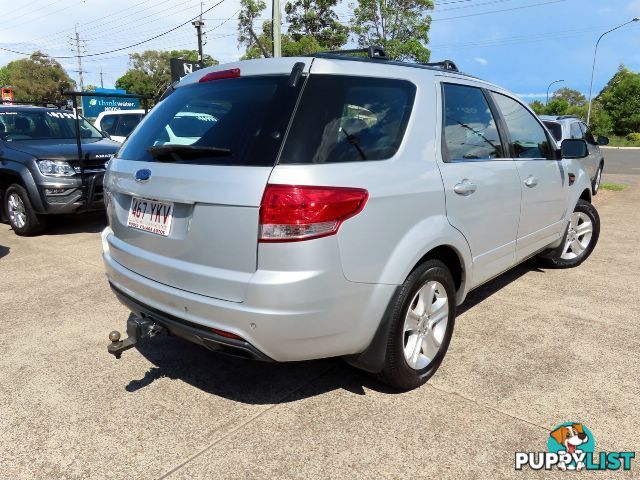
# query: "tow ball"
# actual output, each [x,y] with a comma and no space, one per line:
[137,329]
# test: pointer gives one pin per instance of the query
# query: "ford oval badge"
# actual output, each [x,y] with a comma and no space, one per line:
[143,175]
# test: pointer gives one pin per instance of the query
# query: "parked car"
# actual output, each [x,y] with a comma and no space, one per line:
[40,172]
[567,126]
[339,206]
[119,124]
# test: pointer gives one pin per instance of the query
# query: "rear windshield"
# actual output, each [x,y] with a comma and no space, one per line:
[349,119]
[43,125]
[555,129]
[235,121]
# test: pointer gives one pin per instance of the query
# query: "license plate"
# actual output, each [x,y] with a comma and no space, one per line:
[150,216]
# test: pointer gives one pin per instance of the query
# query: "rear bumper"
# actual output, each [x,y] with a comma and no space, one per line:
[283,317]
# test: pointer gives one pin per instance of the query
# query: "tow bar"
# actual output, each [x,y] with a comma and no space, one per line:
[137,329]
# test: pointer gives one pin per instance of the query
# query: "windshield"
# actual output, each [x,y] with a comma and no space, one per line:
[235,121]
[43,125]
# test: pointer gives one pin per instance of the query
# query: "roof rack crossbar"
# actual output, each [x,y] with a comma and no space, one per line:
[373,52]
[445,65]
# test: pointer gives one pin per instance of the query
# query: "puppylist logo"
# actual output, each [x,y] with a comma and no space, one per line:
[572,447]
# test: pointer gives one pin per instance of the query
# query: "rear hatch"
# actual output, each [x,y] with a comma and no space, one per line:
[185,189]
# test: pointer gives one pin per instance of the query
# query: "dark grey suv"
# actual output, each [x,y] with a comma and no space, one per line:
[40,172]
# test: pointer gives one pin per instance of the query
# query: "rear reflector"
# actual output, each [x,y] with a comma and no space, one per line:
[291,213]
[233,73]
[222,333]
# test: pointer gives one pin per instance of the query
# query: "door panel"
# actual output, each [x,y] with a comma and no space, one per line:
[482,189]
[542,179]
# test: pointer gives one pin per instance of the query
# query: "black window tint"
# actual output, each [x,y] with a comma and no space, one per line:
[470,130]
[575,131]
[555,129]
[126,124]
[349,119]
[236,121]
[588,136]
[108,124]
[528,138]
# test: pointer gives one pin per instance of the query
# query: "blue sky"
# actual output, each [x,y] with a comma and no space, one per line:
[522,45]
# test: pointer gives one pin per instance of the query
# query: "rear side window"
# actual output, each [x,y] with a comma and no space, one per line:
[575,131]
[126,124]
[528,138]
[108,124]
[349,119]
[234,121]
[555,129]
[470,131]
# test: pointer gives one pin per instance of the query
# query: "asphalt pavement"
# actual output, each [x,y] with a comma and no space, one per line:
[532,349]
[621,161]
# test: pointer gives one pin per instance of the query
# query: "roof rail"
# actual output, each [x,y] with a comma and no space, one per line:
[445,65]
[372,52]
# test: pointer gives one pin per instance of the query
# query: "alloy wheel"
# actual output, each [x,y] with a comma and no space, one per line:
[578,236]
[17,211]
[425,325]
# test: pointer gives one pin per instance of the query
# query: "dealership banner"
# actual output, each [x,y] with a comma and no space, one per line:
[93,106]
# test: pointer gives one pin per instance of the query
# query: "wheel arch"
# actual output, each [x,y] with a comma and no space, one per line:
[13,172]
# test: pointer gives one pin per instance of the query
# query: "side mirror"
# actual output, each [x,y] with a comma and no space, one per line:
[574,148]
[602,140]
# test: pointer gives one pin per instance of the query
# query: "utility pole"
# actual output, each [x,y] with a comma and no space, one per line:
[276,21]
[199,24]
[101,82]
[79,56]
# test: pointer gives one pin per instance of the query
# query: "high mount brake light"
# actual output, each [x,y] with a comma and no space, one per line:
[291,213]
[221,74]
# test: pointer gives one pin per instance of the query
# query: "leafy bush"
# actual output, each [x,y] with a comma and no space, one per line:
[633,137]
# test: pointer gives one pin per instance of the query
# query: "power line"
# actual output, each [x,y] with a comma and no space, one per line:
[497,11]
[128,46]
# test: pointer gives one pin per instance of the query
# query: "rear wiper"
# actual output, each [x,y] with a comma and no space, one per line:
[176,153]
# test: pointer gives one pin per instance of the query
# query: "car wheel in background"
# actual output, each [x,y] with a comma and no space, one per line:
[21,215]
[596,181]
[580,238]
[422,320]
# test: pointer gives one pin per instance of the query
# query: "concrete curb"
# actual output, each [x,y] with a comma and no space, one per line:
[619,148]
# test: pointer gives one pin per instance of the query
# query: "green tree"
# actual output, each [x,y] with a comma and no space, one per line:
[289,46]
[538,107]
[250,11]
[317,19]
[149,72]
[400,26]
[38,78]
[620,99]
[557,107]
[572,97]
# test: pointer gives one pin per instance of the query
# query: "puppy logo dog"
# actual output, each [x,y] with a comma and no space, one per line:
[571,437]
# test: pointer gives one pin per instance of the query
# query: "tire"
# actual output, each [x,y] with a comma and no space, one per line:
[577,243]
[22,217]
[405,371]
[595,186]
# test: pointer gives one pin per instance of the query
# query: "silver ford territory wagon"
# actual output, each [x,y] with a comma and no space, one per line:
[334,205]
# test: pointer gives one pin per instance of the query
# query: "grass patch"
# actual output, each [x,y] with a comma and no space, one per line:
[614,187]
[615,141]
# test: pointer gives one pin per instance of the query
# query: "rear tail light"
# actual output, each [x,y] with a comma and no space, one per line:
[290,213]
[224,333]
[219,75]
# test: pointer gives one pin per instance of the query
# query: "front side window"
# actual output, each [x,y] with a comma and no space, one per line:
[126,124]
[43,125]
[528,137]
[349,119]
[588,136]
[470,131]
[575,131]
[108,124]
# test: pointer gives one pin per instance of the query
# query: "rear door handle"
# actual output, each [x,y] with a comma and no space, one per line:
[531,181]
[465,188]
